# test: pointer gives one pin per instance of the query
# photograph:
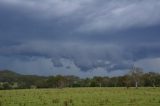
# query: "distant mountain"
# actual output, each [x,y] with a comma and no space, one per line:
[8,73]
[11,76]
[8,76]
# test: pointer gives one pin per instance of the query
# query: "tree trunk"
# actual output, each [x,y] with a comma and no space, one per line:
[136,84]
[100,85]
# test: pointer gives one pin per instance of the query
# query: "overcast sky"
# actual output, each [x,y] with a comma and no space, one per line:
[79,37]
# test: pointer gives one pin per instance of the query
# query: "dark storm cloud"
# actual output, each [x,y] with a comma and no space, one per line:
[84,56]
[80,34]
[90,15]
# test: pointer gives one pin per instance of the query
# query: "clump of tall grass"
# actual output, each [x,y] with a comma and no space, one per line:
[103,102]
[55,101]
[133,100]
[0,103]
[22,104]
[68,102]
[65,103]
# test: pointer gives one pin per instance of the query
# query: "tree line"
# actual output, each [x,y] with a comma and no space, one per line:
[135,78]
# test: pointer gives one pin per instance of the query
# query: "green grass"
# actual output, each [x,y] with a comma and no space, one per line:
[81,97]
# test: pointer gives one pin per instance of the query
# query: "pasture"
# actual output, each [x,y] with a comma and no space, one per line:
[81,97]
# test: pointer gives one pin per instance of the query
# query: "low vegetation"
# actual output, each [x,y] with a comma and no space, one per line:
[81,97]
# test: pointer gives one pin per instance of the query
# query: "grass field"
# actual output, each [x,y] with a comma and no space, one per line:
[81,97]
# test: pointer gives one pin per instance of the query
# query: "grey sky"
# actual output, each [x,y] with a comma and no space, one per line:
[79,37]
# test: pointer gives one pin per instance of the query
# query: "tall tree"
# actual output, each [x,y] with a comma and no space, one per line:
[136,74]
